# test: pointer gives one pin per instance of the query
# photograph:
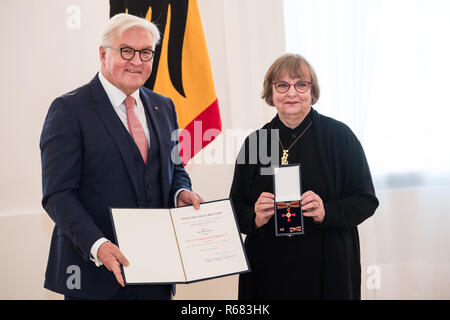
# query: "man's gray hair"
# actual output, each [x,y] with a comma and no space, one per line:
[121,22]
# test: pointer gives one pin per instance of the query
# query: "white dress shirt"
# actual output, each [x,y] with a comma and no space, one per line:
[117,98]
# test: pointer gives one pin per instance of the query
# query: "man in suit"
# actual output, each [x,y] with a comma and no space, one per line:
[108,144]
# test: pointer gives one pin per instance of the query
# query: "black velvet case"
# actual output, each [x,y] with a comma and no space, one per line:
[288,214]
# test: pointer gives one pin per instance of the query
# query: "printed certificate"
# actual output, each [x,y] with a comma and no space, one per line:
[180,245]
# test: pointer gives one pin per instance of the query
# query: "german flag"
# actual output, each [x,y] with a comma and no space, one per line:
[181,67]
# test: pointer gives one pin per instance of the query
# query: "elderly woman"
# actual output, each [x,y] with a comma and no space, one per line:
[324,262]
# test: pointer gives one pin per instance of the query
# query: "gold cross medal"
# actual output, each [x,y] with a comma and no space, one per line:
[288,217]
[284,157]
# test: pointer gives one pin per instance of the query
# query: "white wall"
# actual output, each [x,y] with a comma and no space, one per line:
[406,245]
[41,59]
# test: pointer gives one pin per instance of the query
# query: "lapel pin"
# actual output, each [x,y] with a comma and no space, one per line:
[155,107]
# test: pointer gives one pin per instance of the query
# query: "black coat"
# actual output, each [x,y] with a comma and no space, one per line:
[325,262]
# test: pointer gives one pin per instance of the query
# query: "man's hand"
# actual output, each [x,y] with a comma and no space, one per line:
[111,256]
[186,198]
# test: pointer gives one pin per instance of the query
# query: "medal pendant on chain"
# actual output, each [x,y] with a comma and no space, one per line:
[284,157]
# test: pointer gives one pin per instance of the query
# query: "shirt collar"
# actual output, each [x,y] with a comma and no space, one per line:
[115,95]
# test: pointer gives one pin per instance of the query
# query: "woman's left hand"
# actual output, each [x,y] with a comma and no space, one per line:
[312,206]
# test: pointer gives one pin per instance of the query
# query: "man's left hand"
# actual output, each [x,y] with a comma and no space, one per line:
[186,198]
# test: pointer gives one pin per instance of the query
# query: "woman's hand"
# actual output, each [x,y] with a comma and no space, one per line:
[312,206]
[264,208]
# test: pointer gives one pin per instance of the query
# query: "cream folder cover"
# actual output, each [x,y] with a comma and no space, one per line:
[180,245]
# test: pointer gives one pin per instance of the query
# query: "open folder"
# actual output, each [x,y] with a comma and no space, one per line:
[179,245]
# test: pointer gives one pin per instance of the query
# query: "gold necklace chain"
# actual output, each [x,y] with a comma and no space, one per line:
[286,151]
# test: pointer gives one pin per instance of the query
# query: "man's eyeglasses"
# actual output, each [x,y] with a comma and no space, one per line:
[300,86]
[128,53]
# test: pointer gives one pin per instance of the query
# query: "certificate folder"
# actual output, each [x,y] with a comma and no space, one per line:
[179,245]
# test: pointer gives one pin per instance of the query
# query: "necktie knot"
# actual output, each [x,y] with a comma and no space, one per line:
[129,102]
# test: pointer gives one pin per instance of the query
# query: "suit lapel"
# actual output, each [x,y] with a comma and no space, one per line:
[113,125]
[155,116]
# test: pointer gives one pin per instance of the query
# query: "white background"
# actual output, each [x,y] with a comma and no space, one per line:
[404,246]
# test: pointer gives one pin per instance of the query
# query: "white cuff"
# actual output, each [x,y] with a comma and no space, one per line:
[176,196]
[94,250]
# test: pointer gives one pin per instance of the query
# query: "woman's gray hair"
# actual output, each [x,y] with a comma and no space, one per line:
[295,66]
[121,22]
